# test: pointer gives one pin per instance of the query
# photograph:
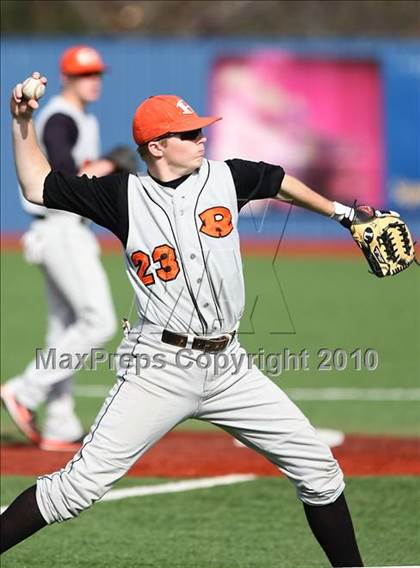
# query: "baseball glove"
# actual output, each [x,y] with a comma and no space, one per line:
[123,158]
[384,238]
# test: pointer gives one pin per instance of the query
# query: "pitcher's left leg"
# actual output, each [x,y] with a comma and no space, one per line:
[259,414]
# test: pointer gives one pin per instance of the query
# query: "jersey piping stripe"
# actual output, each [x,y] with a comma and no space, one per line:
[203,322]
[214,297]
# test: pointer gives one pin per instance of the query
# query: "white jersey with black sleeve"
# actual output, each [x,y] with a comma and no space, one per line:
[181,243]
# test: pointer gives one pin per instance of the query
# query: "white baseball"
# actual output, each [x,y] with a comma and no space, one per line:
[33,88]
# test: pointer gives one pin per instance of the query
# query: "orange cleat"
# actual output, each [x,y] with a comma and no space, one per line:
[51,445]
[22,416]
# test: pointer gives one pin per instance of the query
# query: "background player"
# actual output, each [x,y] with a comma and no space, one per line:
[80,310]
[178,225]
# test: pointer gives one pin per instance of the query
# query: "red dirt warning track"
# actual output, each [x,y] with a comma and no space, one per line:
[198,454]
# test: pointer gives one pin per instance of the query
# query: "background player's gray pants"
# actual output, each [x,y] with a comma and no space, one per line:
[142,408]
[80,316]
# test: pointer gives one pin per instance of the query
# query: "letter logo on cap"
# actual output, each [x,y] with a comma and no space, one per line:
[186,109]
[87,56]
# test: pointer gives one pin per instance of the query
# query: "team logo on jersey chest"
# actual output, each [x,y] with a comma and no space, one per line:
[216,222]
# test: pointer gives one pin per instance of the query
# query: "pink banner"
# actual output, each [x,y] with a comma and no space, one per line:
[321,119]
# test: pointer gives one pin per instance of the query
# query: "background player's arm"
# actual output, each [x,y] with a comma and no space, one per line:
[59,137]
[297,192]
[32,166]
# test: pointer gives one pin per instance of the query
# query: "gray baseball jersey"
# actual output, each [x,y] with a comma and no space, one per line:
[186,269]
[182,245]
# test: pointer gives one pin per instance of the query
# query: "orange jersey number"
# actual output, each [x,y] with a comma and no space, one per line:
[169,267]
[141,261]
[166,257]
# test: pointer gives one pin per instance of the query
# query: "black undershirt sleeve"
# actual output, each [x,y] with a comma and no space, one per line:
[255,180]
[103,199]
[59,137]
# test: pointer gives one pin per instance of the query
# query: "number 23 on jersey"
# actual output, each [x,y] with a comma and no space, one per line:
[167,264]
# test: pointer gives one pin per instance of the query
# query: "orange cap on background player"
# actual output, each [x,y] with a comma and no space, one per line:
[163,114]
[81,60]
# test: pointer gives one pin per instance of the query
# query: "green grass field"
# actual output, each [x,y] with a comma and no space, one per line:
[258,524]
[333,304]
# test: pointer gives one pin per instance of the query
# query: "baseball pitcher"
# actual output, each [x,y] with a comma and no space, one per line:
[179,227]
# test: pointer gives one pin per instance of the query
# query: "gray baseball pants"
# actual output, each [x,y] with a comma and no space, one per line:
[80,317]
[146,403]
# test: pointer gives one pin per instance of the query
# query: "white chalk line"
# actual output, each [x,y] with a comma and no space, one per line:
[172,487]
[366,395]
[310,394]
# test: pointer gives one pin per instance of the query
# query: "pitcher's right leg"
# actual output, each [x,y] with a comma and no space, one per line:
[134,417]
[139,410]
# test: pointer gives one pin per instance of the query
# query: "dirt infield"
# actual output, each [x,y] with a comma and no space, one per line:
[198,454]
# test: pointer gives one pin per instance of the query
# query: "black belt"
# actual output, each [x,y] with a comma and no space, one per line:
[213,345]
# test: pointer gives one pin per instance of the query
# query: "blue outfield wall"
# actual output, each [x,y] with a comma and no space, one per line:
[142,67]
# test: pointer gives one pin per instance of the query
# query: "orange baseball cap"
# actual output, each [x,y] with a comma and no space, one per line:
[81,60]
[163,114]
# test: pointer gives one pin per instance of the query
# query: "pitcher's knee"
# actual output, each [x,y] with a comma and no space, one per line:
[322,485]
[60,498]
